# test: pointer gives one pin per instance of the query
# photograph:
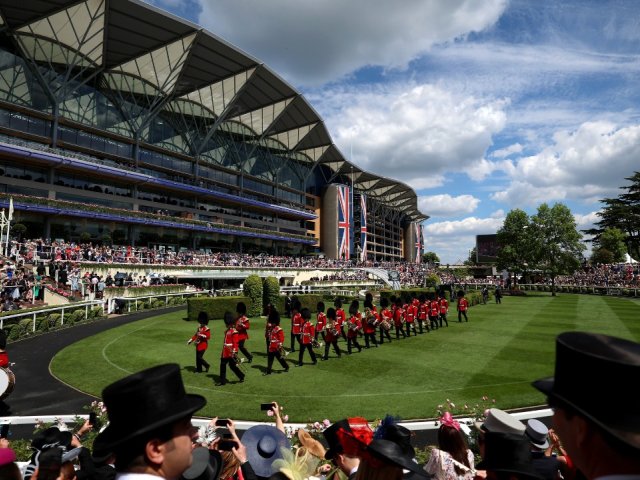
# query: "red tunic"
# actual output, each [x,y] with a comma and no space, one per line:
[230,345]
[434,308]
[201,338]
[276,338]
[332,332]
[242,325]
[296,324]
[321,322]
[444,305]
[308,333]
[463,304]
[355,325]
[422,312]
[398,316]
[369,325]
[410,314]
[340,317]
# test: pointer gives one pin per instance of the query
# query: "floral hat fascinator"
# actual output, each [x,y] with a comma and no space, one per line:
[448,421]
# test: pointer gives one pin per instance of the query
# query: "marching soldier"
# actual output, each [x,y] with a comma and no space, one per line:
[398,319]
[386,320]
[307,337]
[463,306]
[296,324]
[341,317]
[331,335]
[242,326]
[410,318]
[229,355]
[434,312]
[354,327]
[423,309]
[276,343]
[444,309]
[321,321]
[201,340]
[371,321]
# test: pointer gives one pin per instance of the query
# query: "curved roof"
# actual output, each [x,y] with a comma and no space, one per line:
[179,62]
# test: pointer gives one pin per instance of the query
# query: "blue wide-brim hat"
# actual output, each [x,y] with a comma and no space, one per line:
[592,372]
[264,445]
[143,402]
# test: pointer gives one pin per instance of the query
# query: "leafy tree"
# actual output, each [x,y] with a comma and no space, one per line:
[430,257]
[516,246]
[556,244]
[601,255]
[623,213]
[270,291]
[613,240]
[19,229]
[252,288]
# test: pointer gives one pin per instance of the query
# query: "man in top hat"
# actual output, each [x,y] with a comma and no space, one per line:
[507,456]
[347,440]
[547,466]
[149,429]
[592,373]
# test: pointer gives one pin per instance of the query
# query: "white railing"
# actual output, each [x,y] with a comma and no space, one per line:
[129,300]
[71,306]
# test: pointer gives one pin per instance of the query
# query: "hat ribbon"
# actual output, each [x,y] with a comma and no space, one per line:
[448,421]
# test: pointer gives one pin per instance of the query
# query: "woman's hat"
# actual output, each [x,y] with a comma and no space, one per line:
[206,465]
[143,402]
[508,453]
[7,456]
[264,444]
[390,452]
[537,432]
[313,446]
[592,371]
[349,436]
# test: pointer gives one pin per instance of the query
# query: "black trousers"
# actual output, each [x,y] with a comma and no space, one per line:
[384,333]
[411,327]
[200,361]
[232,365]
[400,331]
[460,313]
[433,320]
[244,350]
[443,316]
[370,336]
[295,338]
[312,354]
[336,348]
[271,356]
[353,342]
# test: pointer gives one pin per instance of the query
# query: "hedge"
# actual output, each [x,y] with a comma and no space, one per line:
[252,288]
[213,306]
[270,292]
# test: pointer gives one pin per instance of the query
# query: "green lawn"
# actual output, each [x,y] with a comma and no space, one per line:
[497,354]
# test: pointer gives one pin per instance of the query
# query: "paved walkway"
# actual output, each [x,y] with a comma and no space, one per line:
[37,391]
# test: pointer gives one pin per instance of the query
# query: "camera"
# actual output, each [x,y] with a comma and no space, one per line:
[222,422]
[266,406]
[4,430]
[227,445]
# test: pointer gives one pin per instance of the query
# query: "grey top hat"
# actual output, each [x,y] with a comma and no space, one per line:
[500,421]
[537,433]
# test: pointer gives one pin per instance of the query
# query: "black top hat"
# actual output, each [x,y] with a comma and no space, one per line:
[206,465]
[333,441]
[264,445]
[508,453]
[143,402]
[591,372]
[391,453]
[52,437]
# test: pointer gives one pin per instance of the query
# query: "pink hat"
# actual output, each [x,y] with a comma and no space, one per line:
[7,456]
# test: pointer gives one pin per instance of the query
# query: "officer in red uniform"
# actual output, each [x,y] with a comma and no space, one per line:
[321,321]
[434,312]
[444,309]
[370,322]
[423,312]
[331,335]
[201,339]
[410,318]
[341,317]
[242,326]
[398,319]
[386,320]
[463,306]
[354,326]
[229,355]
[276,341]
[296,324]
[306,337]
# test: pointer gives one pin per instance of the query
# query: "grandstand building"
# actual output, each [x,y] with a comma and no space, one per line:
[124,122]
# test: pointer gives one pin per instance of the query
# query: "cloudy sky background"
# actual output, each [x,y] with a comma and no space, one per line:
[481,106]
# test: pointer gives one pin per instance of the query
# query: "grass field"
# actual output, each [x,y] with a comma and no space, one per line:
[498,353]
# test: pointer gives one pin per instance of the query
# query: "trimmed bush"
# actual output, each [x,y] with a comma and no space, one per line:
[252,289]
[271,292]
[213,306]
[96,312]
[54,320]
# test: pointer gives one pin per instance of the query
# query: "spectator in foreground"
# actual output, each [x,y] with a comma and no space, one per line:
[9,470]
[507,456]
[150,427]
[453,460]
[592,371]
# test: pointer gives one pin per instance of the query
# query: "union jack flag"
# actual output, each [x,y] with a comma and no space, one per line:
[418,231]
[344,222]
[363,227]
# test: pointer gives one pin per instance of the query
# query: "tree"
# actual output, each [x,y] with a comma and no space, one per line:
[252,288]
[514,238]
[430,257]
[613,240]
[19,229]
[623,213]
[473,257]
[556,245]
[601,255]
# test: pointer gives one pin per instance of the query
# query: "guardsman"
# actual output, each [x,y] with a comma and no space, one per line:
[341,317]
[276,343]
[332,334]
[423,312]
[296,324]
[242,326]
[398,319]
[307,337]
[410,318]
[463,306]
[201,339]
[321,321]
[370,322]
[386,320]
[444,309]
[229,355]
[434,311]
[354,326]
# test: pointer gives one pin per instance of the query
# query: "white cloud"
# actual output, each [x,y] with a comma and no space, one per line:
[412,133]
[311,43]
[505,152]
[446,205]
[586,164]
[452,240]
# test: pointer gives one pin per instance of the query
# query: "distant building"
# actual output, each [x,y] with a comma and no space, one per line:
[487,248]
[119,120]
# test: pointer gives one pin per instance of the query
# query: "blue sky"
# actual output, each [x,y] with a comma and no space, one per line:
[481,106]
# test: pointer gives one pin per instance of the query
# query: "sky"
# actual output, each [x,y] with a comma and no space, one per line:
[481,106]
